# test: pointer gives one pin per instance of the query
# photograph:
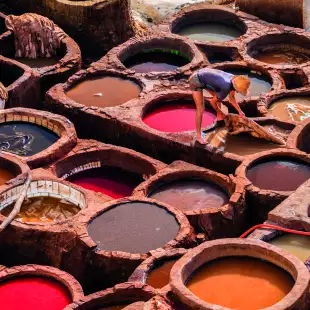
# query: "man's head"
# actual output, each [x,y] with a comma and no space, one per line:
[241,84]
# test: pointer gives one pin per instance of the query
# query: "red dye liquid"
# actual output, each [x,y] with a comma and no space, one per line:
[33,293]
[113,182]
[176,116]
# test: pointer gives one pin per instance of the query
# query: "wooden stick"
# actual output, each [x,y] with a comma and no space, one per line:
[17,205]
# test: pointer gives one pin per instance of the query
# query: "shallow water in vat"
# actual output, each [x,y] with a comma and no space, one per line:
[33,293]
[134,227]
[104,91]
[157,61]
[39,62]
[190,195]
[297,245]
[291,108]
[25,139]
[282,57]
[283,174]
[176,116]
[259,82]
[5,176]
[43,209]
[213,32]
[111,181]
[241,283]
[159,276]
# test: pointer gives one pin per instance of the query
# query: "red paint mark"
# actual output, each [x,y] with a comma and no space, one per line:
[176,116]
[33,293]
[113,182]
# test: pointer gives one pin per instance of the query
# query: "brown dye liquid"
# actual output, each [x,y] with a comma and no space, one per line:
[159,276]
[5,176]
[279,175]
[190,194]
[104,92]
[43,209]
[39,62]
[282,57]
[241,283]
[135,227]
[291,108]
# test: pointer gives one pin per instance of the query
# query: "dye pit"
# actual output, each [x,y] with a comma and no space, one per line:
[34,292]
[5,175]
[158,277]
[176,116]
[39,62]
[133,227]
[111,181]
[113,307]
[282,57]
[297,245]
[104,91]
[212,32]
[248,283]
[283,174]
[43,210]
[191,195]
[290,109]
[25,139]
[156,61]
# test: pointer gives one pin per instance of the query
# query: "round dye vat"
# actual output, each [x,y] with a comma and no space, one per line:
[25,139]
[104,91]
[297,245]
[282,57]
[241,283]
[111,181]
[191,194]
[176,116]
[39,62]
[213,32]
[259,82]
[156,61]
[291,108]
[43,209]
[135,227]
[5,176]
[160,275]
[279,175]
[33,293]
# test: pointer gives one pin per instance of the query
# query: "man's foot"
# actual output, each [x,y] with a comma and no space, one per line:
[201,140]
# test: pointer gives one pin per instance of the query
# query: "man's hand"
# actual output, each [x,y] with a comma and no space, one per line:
[241,113]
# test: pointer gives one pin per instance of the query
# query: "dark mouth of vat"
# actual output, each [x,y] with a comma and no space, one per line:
[25,139]
[284,174]
[9,74]
[156,60]
[190,194]
[34,292]
[228,274]
[112,181]
[135,227]
[43,209]
[210,31]
[105,91]
[176,116]
[291,108]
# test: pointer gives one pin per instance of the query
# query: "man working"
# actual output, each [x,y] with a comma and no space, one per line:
[219,84]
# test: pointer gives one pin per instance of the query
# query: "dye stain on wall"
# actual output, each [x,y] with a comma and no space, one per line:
[104,91]
[176,116]
[43,209]
[283,174]
[33,293]
[191,194]
[25,139]
[212,32]
[135,227]
[112,181]
[242,283]
[291,108]
[156,61]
